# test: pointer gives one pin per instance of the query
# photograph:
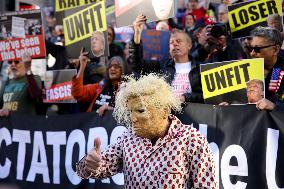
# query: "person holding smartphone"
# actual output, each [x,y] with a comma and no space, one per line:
[101,95]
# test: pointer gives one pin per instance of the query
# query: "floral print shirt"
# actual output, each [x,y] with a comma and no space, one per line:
[181,159]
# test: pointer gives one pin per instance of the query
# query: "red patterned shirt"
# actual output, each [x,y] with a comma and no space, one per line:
[181,159]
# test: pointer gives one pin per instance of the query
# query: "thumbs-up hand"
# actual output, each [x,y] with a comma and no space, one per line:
[93,158]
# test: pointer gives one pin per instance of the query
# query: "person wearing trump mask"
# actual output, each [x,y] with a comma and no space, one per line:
[156,150]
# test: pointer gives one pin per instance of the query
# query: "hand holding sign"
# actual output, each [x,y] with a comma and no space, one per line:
[93,158]
[138,25]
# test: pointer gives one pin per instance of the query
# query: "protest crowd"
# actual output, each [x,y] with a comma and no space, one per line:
[189,50]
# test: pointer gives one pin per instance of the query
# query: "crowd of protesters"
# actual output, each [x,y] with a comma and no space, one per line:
[199,34]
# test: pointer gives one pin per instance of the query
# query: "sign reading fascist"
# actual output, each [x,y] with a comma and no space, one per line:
[244,17]
[226,81]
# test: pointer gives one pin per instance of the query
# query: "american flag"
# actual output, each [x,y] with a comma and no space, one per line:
[276,79]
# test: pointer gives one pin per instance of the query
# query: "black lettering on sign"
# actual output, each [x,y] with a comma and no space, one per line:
[254,14]
[86,19]
[79,24]
[227,77]
[70,29]
[62,4]
[271,6]
[245,71]
[262,10]
[237,74]
[99,16]
[244,16]
[235,20]
[221,79]
[210,82]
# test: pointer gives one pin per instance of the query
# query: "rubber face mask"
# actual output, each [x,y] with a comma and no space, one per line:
[147,121]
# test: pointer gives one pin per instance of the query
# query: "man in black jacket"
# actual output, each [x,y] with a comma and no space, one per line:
[266,43]
[183,73]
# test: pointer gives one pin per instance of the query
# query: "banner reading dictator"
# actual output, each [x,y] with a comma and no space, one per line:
[41,152]
[21,32]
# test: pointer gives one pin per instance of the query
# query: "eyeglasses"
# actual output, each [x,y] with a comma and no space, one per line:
[15,61]
[257,49]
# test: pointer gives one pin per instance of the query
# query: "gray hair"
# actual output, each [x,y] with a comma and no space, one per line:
[274,17]
[175,31]
[272,35]
[120,61]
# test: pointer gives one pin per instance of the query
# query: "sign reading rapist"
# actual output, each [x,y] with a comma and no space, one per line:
[155,44]
[86,27]
[21,32]
[62,5]
[244,17]
[40,152]
[58,85]
[227,81]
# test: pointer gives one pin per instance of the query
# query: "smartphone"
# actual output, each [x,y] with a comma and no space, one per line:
[85,51]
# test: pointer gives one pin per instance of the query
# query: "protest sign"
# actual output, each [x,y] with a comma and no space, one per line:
[62,5]
[110,16]
[244,17]
[21,32]
[155,44]
[126,11]
[86,27]
[58,85]
[124,34]
[227,81]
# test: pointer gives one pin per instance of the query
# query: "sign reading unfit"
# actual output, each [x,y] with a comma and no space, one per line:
[229,77]
[80,26]
[243,16]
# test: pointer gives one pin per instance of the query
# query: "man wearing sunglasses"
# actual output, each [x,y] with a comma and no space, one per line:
[266,43]
[19,94]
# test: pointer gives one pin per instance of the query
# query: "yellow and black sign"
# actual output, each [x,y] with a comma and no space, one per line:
[62,5]
[80,25]
[253,13]
[225,77]
[110,10]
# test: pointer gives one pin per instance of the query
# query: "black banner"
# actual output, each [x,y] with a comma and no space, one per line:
[40,152]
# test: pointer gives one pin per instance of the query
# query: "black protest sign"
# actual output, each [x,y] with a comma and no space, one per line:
[228,81]
[244,17]
[86,27]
